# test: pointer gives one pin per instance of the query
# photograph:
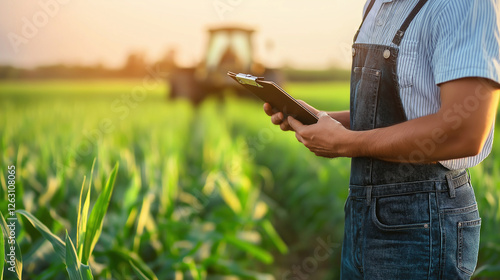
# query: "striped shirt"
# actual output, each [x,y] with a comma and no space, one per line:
[448,40]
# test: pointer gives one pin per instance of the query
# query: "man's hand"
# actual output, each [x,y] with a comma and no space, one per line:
[459,129]
[278,118]
[326,138]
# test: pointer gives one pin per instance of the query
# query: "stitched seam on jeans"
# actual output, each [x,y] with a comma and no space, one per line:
[355,188]
[459,247]
[385,227]
[460,252]
[461,226]
[442,235]
[393,195]
[430,236]
[408,183]
[463,210]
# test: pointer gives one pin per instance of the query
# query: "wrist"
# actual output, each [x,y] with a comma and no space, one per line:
[355,144]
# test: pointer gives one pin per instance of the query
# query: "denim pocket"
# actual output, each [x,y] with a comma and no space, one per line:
[468,245]
[364,97]
[401,212]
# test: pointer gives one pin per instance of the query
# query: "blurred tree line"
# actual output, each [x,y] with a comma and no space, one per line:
[322,75]
[136,66]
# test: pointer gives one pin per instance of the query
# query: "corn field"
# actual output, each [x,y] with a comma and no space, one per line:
[114,185]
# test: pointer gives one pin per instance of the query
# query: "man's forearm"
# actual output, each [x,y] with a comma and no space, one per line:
[459,129]
[341,116]
[423,140]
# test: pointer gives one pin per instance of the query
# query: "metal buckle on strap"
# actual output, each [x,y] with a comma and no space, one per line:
[455,183]
[399,37]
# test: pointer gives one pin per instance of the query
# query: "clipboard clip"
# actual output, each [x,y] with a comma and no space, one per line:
[247,79]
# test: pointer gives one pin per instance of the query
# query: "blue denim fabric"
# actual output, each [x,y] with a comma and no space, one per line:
[402,221]
[412,230]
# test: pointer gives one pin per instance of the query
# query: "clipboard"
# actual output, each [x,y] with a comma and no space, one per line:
[273,94]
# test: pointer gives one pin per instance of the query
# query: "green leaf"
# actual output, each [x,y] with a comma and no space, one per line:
[76,270]
[82,226]
[57,243]
[138,272]
[251,249]
[79,221]
[19,257]
[229,195]
[94,225]
[136,262]
[195,273]
[2,254]
[83,213]
[72,263]
[86,272]
[275,238]
[143,216]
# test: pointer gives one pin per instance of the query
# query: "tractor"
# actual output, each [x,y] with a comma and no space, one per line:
[229,48]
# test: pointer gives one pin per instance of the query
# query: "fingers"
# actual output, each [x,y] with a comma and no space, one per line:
[268,109]
[296,125]
[277,118]
[299,137]
[285,126]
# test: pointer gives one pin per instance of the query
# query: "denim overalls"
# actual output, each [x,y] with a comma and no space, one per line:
[402,221]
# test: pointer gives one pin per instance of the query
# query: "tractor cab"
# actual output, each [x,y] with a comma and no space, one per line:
[229,48]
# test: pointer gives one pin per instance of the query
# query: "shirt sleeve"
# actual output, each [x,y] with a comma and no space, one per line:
[468,41]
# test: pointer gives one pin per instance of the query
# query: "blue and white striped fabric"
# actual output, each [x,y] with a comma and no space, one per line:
[448,40]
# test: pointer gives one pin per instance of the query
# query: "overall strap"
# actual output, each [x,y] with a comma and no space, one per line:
[401,32]
[368,9]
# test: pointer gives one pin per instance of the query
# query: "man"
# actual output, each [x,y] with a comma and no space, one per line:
[424,93]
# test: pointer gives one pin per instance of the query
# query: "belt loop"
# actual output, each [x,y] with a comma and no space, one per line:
[468,177]
[368,195]
[451,185]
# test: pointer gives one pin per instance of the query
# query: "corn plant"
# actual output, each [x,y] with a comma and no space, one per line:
[89,227]
[18,261]
[212,193]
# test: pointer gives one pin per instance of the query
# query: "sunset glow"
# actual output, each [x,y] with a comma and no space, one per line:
[306,34]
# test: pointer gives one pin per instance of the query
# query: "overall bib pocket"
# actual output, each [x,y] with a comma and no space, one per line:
[365,97]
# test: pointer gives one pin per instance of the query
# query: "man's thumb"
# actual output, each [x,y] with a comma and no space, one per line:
[294,124]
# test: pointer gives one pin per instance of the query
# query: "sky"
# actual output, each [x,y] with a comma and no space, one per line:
[302,33]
